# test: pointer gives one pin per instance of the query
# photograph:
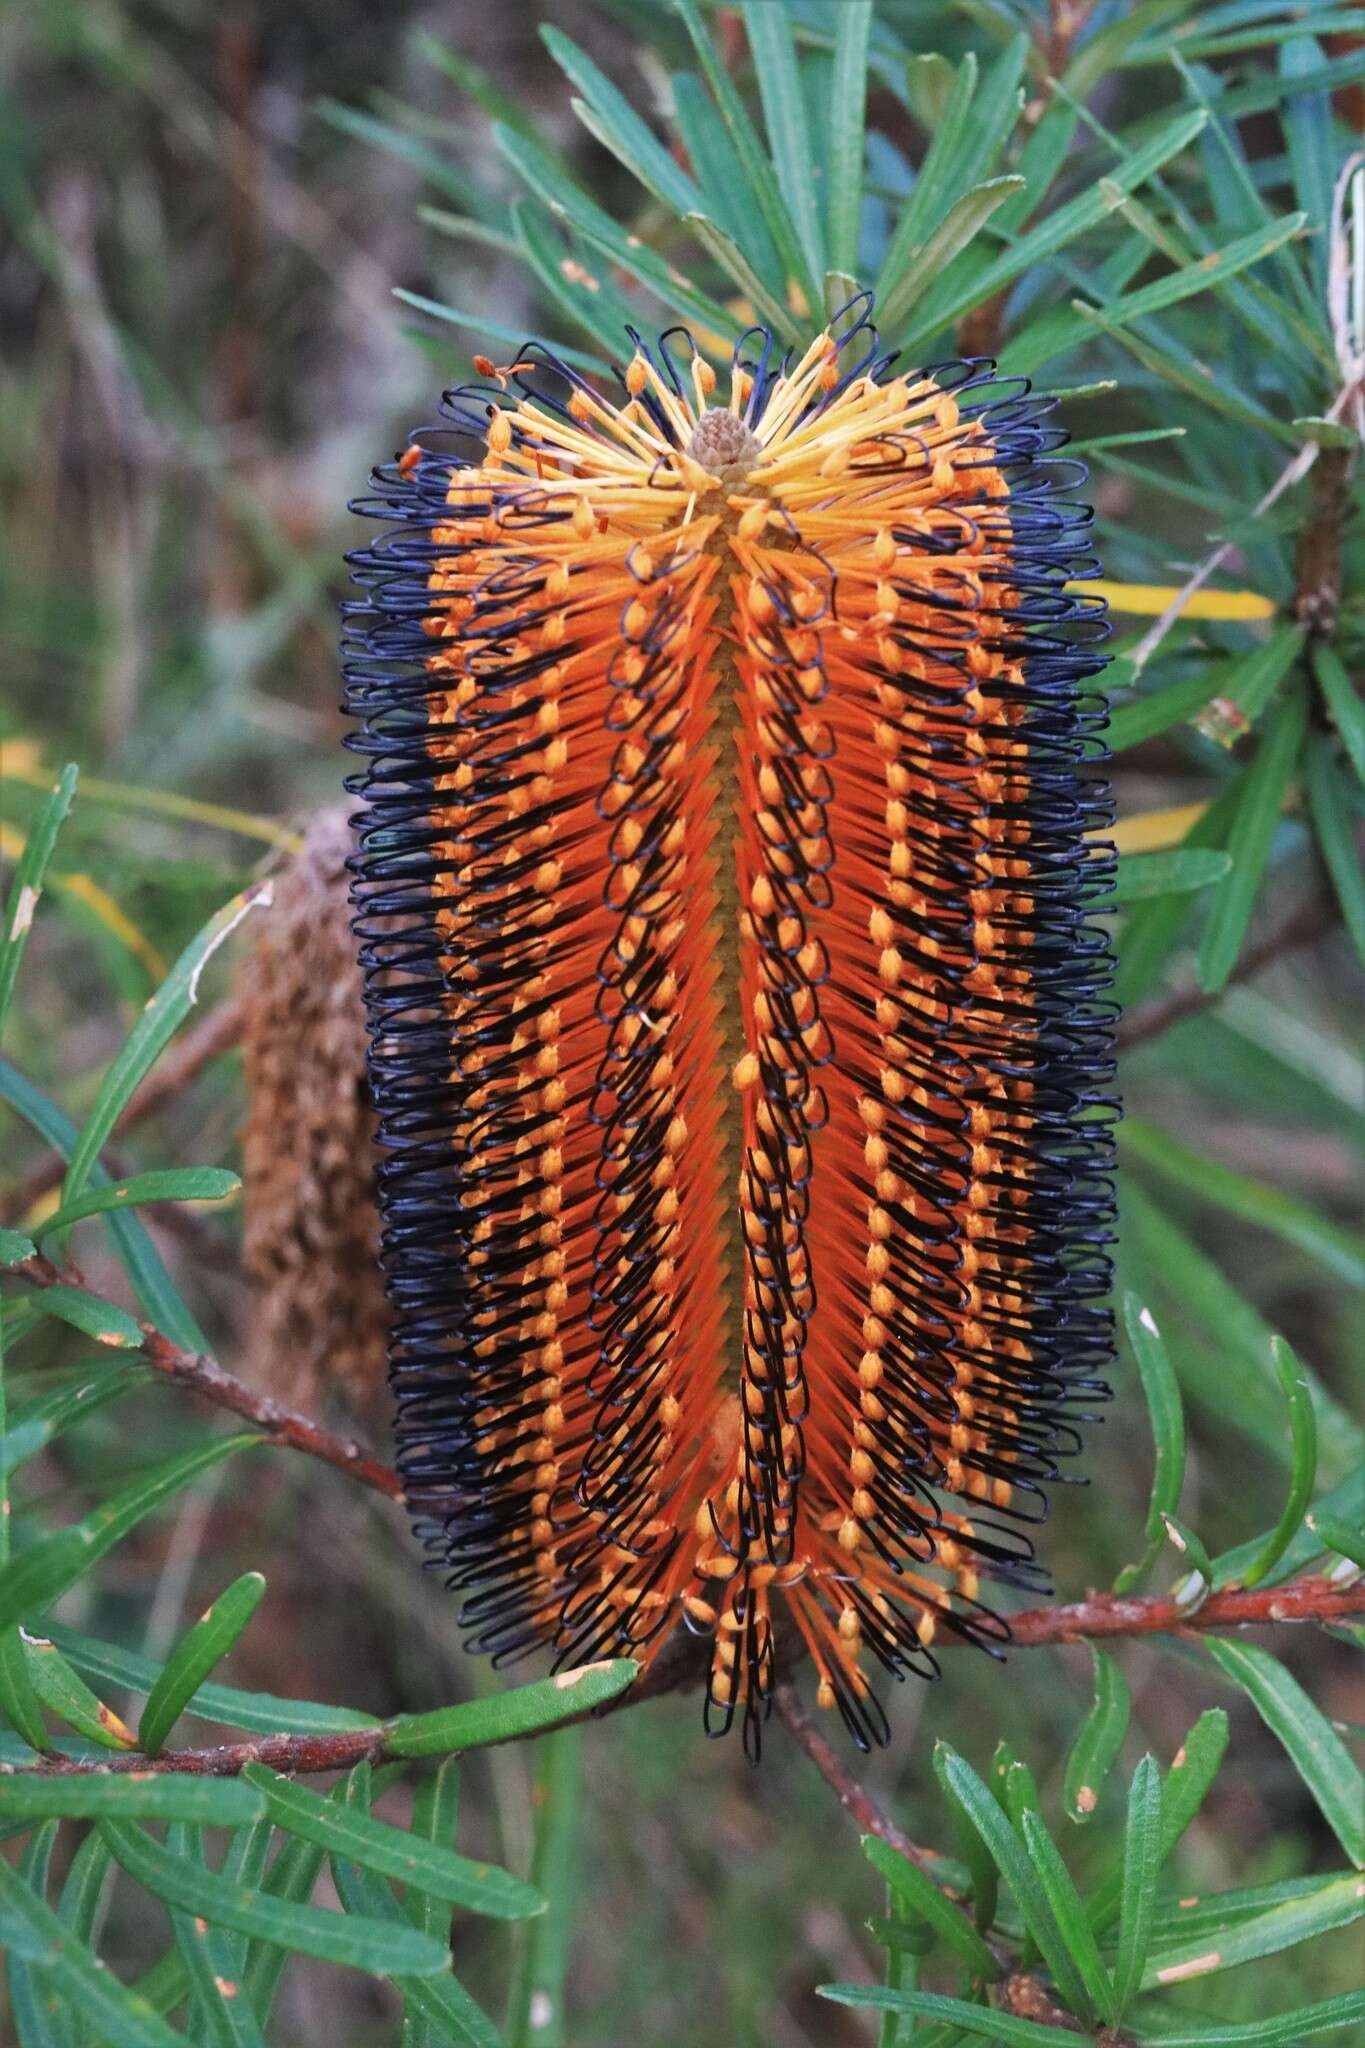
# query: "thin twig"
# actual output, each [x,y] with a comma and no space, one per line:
[1102,1615]
[1303,927]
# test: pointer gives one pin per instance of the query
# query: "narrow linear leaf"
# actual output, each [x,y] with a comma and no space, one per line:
[1100,1738]
[1329,801]
[1340,1251]
[104,1321]
[524,1712]
[140,1258]
[190,1663]
[1183,1792]
[486,329]
[964,219]
[923,1897]
[64,1693]
[1338,1902]
[1141,1863]
[1166,1413]
[1343,702]
[37,1423]
[1249,837]
[1335,1534]
[732,259]
[78,1905]
[260,1712]
[1174,873]
[341,1831]
[845,137]
[965,1787]
[15,1248]
[151,1034]
[39,1574]
[179,1184]
[210,1962]
[30,1928]
[385,1949]
[773,47]
[19,1701]
[982,2022]
[1280,2030]
[1247,684]
[37,2008]
[27,885]
[1315,1749]
[536,2006]
[144,1795]
[1303,1431]
[1069,1912]
[611,118]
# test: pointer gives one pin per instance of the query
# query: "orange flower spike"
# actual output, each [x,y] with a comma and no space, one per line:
[740,1040]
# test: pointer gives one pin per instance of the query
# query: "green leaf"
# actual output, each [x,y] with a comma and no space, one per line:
[1338,1902]
[102,1320]
[844,142]
[179,1184]
[773,48]
[720,176]
[1208,273]
[978,2020]
[410,149]
[498,105]
[962,1784]
[435,1810]
[601,313]
[210,1963]
[760,183]
[732,259]
[19,1700]
[1317,1752]
[1183,1792]
[444,2004]
[1282,2030]
[385,1949]
[1253,826]
[1100,1738]
[1167,1416]
[146,1795]
[922,1896]
[1329,802]
[1345,705]
[1334,1534]
[36,2007]
[1247,685]
[42,1572]
[38,1423]
[29,1928]
[1304,1438]
[1340,1251]
[65,1694]
[1069,1912]
[260,1712]
[478,1887]
[949,237]
[929,197]
[141,1261]
[492,330]
[1141,1863]
[536,2006]
[190,1663]
[27,886]
[151,1034]
[1060,227]
[530,1708]
[1173,873]
[292,1877]
[1150,931]
[15,1248]
[609,116]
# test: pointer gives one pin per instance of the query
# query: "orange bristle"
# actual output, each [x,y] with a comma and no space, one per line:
[739,1033]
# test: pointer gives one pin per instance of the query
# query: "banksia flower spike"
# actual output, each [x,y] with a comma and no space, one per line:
[739,1031]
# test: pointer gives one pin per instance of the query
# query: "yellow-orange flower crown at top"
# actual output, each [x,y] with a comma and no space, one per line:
[740,1033]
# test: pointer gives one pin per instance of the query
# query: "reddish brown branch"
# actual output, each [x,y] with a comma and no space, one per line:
[1303,927]
[1107,1614]
[853,1796]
